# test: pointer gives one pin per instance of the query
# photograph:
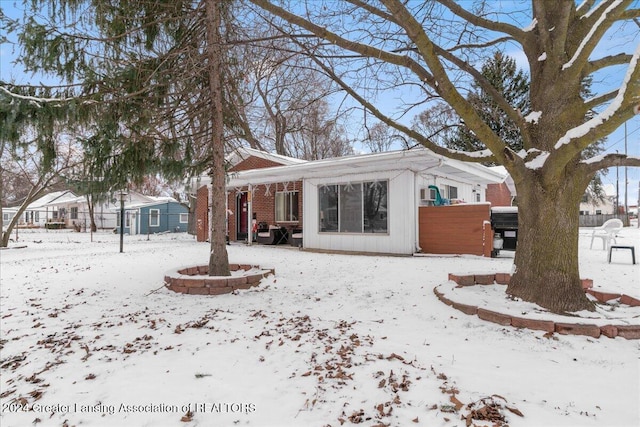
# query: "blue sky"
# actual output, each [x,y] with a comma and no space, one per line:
[618,40]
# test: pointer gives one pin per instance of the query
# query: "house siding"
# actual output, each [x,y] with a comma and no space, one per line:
[401,216]
[169,218]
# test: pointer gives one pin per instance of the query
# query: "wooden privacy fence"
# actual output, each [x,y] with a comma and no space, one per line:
[598,220]
[456,229]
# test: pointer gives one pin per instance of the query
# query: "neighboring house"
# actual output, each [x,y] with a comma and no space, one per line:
[364,203]
[159,215]
[7,216]
[49,208]
[600,207]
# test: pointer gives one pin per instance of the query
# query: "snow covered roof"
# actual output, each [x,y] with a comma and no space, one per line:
[244,153]
[53,198]
[238,156]
[417,160]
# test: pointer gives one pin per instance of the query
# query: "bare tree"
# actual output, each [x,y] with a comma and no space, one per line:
[318,135]
[379,137]
[27,164]
[438,123]
[436,48]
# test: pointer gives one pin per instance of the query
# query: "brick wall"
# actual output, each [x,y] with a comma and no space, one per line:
[254,163]
[498,194]
[459,229]
[263,205]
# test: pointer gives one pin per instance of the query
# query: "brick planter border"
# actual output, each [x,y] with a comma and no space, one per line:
[195,280]
[595,331]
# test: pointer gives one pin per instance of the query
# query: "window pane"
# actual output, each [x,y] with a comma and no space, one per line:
[280,207]
[375,207]
[328,206]
[154,217]
[292,214]
[453,192]
[351,208]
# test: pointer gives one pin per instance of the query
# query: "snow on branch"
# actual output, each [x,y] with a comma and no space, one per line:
[533,117]
[37,101]
[531,26]
[591,33]
[607,160]
[481,154]
[615,105]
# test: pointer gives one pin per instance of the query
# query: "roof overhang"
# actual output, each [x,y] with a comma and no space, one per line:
[418,160]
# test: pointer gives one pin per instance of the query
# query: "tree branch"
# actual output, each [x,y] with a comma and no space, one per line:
[458,10]
[597,163]
[595,29]
[445,88]
[607,61]
[360,48]
[477,157]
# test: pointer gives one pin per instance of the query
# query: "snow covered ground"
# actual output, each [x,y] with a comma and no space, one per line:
[90,338]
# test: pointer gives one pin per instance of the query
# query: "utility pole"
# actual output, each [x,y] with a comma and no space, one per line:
[617,190]
[626,181]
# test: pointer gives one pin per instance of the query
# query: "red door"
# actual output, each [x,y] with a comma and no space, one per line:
[242,220]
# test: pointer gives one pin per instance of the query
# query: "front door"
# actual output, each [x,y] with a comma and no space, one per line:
[241,220]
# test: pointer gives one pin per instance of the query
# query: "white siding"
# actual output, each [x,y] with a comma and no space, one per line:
[401,200]
[466,191]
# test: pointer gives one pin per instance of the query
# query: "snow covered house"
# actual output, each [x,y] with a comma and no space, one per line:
[48,209]
[370,203]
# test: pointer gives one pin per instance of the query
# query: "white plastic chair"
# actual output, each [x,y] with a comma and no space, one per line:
[607,232]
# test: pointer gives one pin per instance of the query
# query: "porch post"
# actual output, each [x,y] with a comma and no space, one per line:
[249,215]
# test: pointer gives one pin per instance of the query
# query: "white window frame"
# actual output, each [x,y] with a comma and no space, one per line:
[451,189]
[154,213]
[288,206]
[363,223]
[184,218]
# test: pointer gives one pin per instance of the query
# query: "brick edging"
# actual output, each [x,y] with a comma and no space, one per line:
[195,280]
[595,331]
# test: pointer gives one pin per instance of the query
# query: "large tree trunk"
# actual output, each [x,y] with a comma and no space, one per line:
[218,257]
[546,260]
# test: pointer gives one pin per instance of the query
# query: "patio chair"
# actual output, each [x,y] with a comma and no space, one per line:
[295,237]
[274,235]
[607,232]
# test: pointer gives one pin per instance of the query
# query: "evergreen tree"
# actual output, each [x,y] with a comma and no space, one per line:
[513,85]
[149,78]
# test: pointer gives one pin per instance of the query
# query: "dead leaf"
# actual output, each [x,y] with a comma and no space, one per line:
[456,402]
[395,356]
[515,411]
[188,417]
